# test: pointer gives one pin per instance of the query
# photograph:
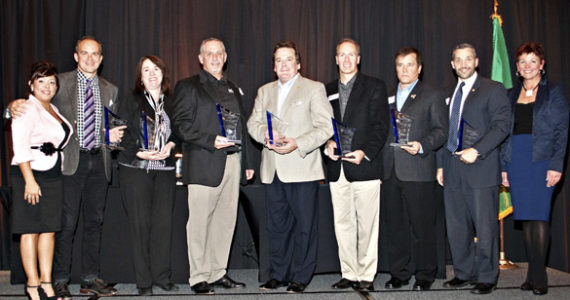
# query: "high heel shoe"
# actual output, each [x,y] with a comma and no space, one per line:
[46,297]
[33,288]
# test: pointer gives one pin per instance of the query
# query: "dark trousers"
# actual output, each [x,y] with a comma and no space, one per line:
[409,209]
[292,229]
[473,213]
[84,193]
[148,199]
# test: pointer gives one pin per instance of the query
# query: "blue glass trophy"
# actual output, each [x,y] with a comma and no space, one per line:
[401,125]
[274,123]
[112,120]
[229,122]
[343,137]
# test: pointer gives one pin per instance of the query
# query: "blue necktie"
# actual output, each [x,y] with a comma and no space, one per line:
[89,118]
[454,120]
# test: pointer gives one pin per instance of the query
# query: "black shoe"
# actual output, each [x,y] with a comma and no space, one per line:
[344,284]
[366,286]
[526,286]
[167,287]
[272,284]
[202,288]
[540,290]
[62,291]
[395,283]
[147,291]
[228,283]
[296,287]
[483,288]
[422,285]
[456,283]
[97,287]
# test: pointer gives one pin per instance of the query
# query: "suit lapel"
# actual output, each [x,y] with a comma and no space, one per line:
[292,96]
[336,102]
[415,92]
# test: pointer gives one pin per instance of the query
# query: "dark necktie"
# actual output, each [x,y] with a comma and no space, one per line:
[89,117]
[454,120]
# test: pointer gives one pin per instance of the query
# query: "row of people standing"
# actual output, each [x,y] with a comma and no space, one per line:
[291,168]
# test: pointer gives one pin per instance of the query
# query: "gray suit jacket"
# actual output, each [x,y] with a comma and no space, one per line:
[66,101]
[426,106]
[307,114]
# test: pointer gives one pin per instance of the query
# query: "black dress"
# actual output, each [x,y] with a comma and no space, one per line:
[45,216]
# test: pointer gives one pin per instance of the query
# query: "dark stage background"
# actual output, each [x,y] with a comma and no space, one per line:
[128,29]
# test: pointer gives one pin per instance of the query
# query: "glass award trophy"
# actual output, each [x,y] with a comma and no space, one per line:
[343,137]
[229,122]
[274,123]
[466,136]
[401,125]
[112,120]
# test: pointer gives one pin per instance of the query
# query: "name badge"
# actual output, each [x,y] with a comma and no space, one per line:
[391,99]
[333,97]
[447,101]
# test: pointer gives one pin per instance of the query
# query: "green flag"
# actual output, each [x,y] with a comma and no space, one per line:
[500,68]
[505,205]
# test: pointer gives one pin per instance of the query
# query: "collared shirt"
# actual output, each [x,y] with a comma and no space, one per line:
[344,91]
[81,86]
[223,94]
[466,88]
[402,95]
[283,91]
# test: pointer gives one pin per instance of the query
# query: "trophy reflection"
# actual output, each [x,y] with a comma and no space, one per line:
[112,120]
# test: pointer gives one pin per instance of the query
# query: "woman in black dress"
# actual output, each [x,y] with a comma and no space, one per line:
[533,156]
[147,174]
[38,137]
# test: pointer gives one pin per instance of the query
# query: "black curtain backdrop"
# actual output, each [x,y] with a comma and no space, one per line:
[173,29]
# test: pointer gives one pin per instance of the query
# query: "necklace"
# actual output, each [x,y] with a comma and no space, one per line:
[529,92]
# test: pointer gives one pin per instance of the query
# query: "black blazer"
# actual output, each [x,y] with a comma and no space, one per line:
[426,106]
[488,111]
[195,123]
[549,125]
[131,109]
[367,111]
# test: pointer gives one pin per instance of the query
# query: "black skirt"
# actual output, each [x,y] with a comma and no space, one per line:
[45,216]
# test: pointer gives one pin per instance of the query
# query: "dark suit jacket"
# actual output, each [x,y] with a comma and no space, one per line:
[195,123]
[66,101]
[426,107]
[488,111]
[131,109]
[549,125]
[367,111]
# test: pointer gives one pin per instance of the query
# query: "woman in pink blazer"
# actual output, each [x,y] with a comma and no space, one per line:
[37,184]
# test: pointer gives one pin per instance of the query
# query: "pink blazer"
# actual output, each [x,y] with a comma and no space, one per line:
[35,127]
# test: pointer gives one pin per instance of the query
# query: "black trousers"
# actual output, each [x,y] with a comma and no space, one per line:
[84,194]
[292,229]
[409,209]
[148,199]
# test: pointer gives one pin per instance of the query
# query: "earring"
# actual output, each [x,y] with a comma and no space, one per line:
[542,72]
[518,73]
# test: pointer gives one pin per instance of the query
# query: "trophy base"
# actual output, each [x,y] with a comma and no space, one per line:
[398,144]
[237,142]
[114,148]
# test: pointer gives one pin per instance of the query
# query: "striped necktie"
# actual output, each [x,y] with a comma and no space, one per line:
[452,141]
[89,117]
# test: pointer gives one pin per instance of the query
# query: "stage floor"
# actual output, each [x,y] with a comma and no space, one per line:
[320,288]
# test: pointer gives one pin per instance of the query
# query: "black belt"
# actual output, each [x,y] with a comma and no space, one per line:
[231,152]
[92,151]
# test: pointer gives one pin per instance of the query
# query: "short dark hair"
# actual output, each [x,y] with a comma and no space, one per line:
[409,50]
[164,85]
[86,38]
[463,46]
[349,40]
[530,47]
[40,69]
[287,44]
